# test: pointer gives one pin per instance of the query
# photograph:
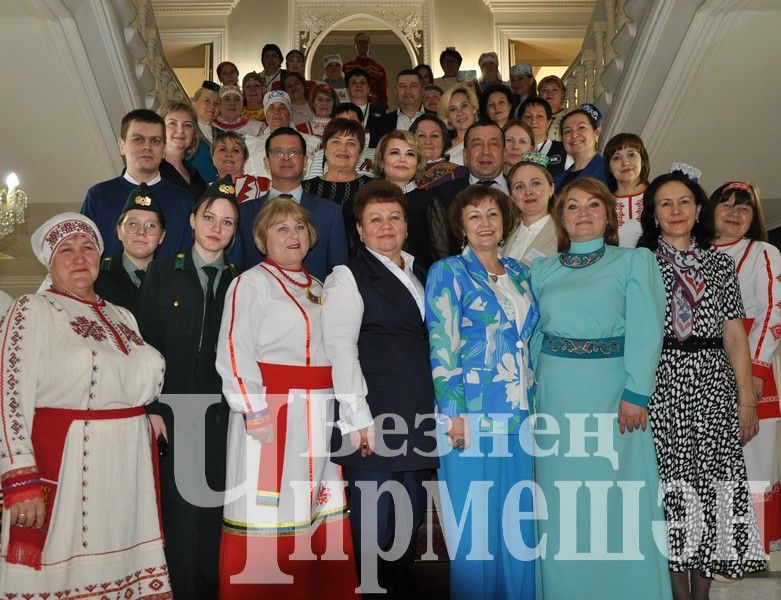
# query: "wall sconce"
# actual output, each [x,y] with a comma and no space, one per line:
[13,204]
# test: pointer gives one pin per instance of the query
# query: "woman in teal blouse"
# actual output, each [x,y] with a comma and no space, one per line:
[595,352]
[480,315]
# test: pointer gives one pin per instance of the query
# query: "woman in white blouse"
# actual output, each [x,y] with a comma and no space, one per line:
[377,342]
[531,190]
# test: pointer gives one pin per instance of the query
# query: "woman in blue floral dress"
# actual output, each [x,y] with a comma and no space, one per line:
[480,315]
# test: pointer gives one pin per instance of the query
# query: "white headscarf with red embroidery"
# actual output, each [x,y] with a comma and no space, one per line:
[51,234]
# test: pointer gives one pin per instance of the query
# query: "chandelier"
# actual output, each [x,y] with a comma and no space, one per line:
[13,203]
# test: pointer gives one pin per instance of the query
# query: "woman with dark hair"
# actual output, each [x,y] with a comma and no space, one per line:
[434,140]
[295,86]
[518,140]
[181,141]
[271,59]
[497,103]
[481,314]
[343,141]
[627,168]
[323,101]
[704,406]
[375,337]
[206,102]
[599,360]
[179,314]
[741,233]
[399,159]
[580,133]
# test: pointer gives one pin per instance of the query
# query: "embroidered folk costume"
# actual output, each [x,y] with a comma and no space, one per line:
[75,377]
[274,370]
[759,274]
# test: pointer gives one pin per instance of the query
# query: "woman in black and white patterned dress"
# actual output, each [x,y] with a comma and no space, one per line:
[704,406]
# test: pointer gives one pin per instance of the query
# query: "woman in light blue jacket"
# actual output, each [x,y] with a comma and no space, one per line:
[481,314]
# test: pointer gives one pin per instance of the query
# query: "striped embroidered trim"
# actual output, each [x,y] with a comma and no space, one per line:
[21,484]
[253,420]
[770,306]
[283,529]
[232,349]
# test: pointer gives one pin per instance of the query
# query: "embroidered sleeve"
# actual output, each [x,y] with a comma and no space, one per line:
[766,329]
[237,355]
[645,306]
[20,361]
[19,485]
[443,317]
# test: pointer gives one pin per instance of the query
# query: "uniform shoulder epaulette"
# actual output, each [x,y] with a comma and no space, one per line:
[179,262]
[105,264]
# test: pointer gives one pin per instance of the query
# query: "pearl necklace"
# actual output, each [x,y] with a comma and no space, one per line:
[305,285]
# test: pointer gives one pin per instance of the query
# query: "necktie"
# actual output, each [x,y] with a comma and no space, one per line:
[486,182]
[140,273]
[206,353]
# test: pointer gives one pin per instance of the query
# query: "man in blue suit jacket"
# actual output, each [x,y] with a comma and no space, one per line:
[286,161]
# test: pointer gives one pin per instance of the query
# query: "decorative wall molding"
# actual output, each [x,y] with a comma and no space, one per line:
[217,36]
[540,6]
[189,7]
[503,34]
[410,20]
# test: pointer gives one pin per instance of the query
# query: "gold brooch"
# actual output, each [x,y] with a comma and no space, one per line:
[143,200]
[227,189]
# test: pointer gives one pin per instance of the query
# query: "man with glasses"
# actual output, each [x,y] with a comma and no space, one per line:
[378,78]
[141,229]
[286,161]
[278,108]
[141,144]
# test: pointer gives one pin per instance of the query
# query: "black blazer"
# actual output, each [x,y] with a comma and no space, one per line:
[394,356]
[379,125]
[558,158]
[428,233]
[171,319]
[114,284]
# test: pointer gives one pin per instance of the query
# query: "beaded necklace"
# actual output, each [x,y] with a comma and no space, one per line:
[304,285]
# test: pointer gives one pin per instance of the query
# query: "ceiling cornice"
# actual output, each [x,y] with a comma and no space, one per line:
[539,6]
[221,8]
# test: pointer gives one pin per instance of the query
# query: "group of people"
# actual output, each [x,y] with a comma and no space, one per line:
[252,383]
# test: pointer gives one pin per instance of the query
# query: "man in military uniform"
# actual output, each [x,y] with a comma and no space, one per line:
[141,229]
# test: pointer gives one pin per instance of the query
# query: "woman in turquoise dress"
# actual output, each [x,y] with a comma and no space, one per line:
[481,314]
[595,354]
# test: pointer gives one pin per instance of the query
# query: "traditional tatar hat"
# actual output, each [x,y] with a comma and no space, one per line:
[143,198]
[535,158]
[48,237]
[592,111]
[211,86]
[276,96]
[521,69]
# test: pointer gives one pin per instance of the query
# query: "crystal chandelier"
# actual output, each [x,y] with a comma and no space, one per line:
[13,203]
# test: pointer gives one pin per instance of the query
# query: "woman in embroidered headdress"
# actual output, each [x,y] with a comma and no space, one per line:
[288,495]
[77,453]
[595,351]
[704,406]
[179,314]
[741,233]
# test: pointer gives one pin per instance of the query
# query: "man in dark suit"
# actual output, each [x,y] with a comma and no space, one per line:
[286,161]
[141,229]
[141,144]
[409,99]
[537,114]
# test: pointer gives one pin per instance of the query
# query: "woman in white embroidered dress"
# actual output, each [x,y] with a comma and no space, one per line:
[76,450]
[741,233]
[626,169]
[286,493]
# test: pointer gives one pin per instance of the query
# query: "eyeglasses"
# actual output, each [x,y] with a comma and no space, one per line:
[283,152]
[133,226]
